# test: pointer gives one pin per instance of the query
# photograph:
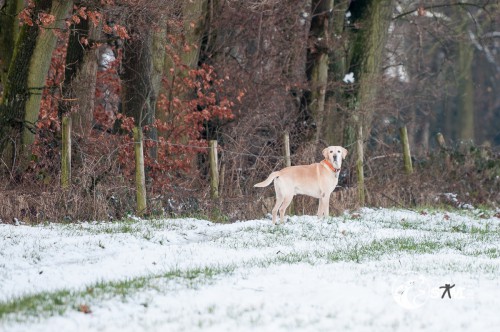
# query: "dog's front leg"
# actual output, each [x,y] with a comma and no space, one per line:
[323,207]
[320,207]
[326,206]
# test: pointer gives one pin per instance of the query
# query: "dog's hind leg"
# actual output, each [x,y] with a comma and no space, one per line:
[279,199]
[286,202]
[279,202]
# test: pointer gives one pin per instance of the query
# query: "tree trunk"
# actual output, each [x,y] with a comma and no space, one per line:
[370,24]
[9,31]
[465,92]
[38,69]
[194,13]
[317,63]
[141,78]
[335,112]
[80,77]
[366,48]
[25,83]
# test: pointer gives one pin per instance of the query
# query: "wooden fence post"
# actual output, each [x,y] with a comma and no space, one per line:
[140,177]
[286,142]
[222,174]
[440,141]
[66,152]
[406,150]
[444,149]
[288,163]
[214,171]
[359,166]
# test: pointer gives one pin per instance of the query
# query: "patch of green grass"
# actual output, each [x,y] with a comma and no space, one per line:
[491,252]
[459,228]
[293,258]
[262,236]
[405,224]
[58,302]
[277,230]
[378,248]
[47,302]
[357,253]
[139,228]
[487,229]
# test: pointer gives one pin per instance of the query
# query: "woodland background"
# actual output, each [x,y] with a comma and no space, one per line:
[244,73]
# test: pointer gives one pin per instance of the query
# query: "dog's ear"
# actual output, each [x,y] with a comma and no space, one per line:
[344,153]
[325,153]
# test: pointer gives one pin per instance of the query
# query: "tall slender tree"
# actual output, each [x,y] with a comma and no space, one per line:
[9,30]
[368,33]
[26,79]
[317,61]
[80,73]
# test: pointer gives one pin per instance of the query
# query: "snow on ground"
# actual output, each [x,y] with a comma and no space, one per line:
[373,270]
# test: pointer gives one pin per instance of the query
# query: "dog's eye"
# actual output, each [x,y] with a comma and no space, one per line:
[338,151]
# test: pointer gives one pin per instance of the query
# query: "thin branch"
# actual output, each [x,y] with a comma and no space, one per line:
[462,4]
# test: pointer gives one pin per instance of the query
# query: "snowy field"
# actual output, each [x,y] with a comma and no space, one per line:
[372,270]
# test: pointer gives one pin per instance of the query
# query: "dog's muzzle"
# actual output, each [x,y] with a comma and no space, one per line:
[338,160]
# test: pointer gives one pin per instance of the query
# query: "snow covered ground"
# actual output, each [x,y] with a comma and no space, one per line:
[372,270]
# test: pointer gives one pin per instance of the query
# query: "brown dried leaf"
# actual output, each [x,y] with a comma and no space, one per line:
[85,309]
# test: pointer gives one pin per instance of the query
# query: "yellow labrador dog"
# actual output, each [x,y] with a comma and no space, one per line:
[317,180]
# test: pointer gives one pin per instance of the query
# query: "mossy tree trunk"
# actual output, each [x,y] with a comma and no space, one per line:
[39,67]
[80,76]
[25,82]
[193,14]
[465,91]
[335,111]
[9,31]
[367,38]
[16,90]
[368,35]
[141,79]
[317,62]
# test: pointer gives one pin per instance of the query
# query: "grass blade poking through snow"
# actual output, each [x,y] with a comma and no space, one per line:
[46,304]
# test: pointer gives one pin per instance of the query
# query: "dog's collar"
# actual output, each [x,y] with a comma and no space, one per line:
[329,165]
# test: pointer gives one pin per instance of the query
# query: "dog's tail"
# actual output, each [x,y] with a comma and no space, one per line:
[267,181]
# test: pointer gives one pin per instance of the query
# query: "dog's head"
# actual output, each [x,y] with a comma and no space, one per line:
[335,154]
